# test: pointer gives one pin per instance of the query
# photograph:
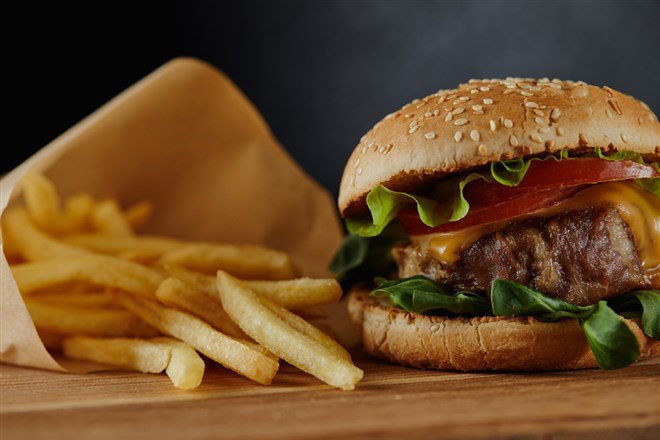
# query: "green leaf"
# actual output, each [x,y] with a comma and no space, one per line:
[613,344]
[511,172]
[385,204]
[512,299]
[361,259]
[644,303]
[651,185]
[418,294]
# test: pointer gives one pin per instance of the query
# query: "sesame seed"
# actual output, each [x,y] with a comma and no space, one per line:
[359,171]
[526,94]
[474,135]
[614,105]
[487,101]
[478,112]
[448,117]
[407,115]
[549,145]
[363,138]
[413,129]
[474,91]
[624,138]
[429,135]
[531,104]
[536,138]
[509,90]
[484,89]
[538,120]
[436,112]
[508,123]
[477,107]
[448,109]
[560,131]
[442,99]
[527,149]
[370,144]
[458,136]
[434,328]
[513,141]
[357,163]
[544,129]
[583,139]
[554,115]
[493,125]
[482,150]
[460,121]
[458,111]
[427,114]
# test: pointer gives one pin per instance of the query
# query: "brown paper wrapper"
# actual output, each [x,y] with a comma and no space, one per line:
[186,138]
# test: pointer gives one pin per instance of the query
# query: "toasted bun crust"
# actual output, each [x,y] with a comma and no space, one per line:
[491,120]
[475,344]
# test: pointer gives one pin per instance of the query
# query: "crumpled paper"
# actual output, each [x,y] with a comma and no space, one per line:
[186,138]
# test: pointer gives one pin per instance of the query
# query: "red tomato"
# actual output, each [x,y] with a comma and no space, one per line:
[546,183]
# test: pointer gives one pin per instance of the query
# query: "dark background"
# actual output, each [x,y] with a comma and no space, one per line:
[322,73]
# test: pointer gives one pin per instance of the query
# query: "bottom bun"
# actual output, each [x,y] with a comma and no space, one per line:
[478,343]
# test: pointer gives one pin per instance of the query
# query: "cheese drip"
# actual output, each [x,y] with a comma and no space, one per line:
[639,208]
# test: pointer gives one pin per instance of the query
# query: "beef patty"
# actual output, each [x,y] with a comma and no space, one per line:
[581,257]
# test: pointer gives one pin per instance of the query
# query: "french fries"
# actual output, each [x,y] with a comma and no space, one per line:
[231,353]
[296,294]
[93,269]
[247,261]
[77,320]
[180,362]
[108,219]
[98,292]
[281,338]
[175,293]
[133,354]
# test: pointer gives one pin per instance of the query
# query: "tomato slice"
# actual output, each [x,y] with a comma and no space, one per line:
[546,183]
[550,174]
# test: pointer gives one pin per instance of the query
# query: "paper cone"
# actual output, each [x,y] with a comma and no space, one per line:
[186,138]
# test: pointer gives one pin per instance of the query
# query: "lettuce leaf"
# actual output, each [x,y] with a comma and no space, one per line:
[364,258]
[614,345]
[419,294]
[385,204]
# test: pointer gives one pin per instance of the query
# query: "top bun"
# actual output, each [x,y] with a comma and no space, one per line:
[485,121]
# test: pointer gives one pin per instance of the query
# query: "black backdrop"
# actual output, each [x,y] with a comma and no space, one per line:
[320,72]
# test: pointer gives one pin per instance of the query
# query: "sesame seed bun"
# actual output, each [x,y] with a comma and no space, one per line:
[475,344]
[490,120]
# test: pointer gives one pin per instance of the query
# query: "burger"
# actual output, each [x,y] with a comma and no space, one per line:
[506,225]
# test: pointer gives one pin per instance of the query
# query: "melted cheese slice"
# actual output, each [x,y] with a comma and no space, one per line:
[639,208]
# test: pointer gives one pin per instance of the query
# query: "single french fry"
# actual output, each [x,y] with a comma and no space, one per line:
[107,244]
[107,218]
[33,244]
[307,329]
[42,201]
[133,354]
[85,320]
[299,293]
[244,261]
[77,213]
[175,293]
[186,367]
[227,351]
[279,337]
[296,294]
[79,299]
[138,214]
[94,269]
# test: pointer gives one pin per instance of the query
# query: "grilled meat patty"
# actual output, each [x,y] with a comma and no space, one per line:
[581,257]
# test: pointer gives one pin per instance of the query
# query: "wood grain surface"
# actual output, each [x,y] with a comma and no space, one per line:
[391,402]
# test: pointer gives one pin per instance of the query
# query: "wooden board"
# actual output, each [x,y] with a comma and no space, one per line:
[391,402]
